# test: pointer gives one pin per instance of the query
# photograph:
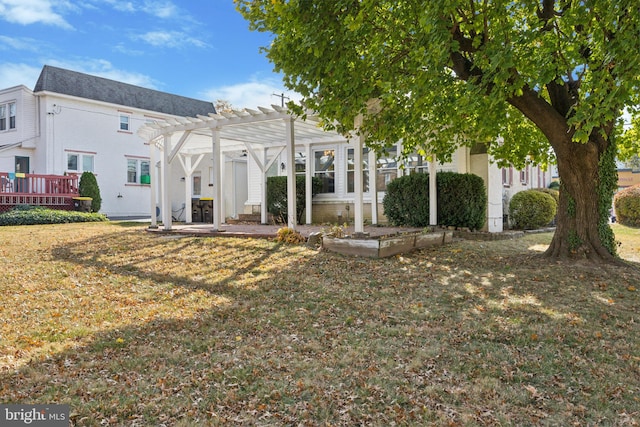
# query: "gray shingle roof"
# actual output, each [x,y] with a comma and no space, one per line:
[67,82]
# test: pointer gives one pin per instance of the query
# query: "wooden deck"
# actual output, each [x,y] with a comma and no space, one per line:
[54,191]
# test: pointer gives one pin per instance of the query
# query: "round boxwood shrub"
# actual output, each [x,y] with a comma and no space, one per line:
[88,187]
[627,205]
[531,209]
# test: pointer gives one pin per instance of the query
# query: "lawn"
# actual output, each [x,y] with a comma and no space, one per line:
[134,328]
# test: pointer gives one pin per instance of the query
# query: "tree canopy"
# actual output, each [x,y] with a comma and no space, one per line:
[534,80]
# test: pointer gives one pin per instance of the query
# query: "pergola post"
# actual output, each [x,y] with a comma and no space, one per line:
[308,181]
[358,211]
[217,192]
[291,174]
[373,186]
[166,175]
[188,187]
[433,196]
[153,174]
[263,194]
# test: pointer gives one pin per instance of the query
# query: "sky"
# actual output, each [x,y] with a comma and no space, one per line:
[201,49]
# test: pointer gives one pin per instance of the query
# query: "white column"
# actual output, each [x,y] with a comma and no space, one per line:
[433,196]
[217,179]
[308,181]
[263,195]
[166,175]
[223,186]
[154,184]
[291,174]
[373,185]
[358,210]
[188,187]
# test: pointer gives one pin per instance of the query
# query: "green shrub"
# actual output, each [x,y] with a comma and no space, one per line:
[627,205]
[88,187]
[531,209]
[555,185]
[22,215]
[406,201]
[277,196]
[552,192]
[462,200]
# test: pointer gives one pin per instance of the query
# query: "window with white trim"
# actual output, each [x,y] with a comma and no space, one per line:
[197,183]
[324,168]
[80,162]
[125,120]
[137,171]
[7,116]
[351,174]
[387,166]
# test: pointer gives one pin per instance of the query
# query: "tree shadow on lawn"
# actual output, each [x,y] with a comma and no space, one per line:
[465,334]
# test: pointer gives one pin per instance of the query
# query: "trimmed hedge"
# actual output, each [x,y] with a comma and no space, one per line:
[277,196]
[406,201]
[531,209]
[32,215]
[627,205]
[88,187]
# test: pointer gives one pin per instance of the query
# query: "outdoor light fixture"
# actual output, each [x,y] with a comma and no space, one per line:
[119,195]
[282,166]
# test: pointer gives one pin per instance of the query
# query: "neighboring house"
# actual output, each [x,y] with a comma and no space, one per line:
[73,122]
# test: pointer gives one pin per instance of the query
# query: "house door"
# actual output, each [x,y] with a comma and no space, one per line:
[22,167]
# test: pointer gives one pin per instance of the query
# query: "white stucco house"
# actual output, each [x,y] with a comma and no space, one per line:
[73,122]
[154,153]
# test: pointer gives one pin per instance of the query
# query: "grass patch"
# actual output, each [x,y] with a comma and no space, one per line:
[130,327]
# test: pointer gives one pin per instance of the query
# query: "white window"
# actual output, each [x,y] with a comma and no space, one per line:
[125,120]
[301,163]
[80,162]
[351,169]
[387,166]
[7,116]
[324,168]
[197,183]
[138,171]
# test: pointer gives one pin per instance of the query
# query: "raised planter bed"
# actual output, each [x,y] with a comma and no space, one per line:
[386,246]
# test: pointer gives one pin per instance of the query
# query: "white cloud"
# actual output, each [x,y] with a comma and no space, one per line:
[20,43]
[26,12]
[18,74]
[161,9]
[251,94]
[171,39]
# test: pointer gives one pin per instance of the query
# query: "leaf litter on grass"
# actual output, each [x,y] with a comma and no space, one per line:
[132,329]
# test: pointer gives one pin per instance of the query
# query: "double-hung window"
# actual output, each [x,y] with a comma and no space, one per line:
[387,168]
[125,122]
[138,170]
[7,116]
[324,168]
[351,169]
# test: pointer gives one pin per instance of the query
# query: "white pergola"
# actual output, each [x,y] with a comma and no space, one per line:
[190,139]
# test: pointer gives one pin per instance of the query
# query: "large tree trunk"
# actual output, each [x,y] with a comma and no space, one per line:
[577,234]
